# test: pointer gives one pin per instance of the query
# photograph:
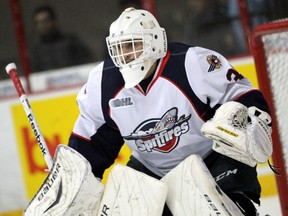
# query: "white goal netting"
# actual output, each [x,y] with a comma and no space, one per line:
[269,46]
[276,53]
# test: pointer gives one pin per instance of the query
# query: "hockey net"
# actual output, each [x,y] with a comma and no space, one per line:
[269,46]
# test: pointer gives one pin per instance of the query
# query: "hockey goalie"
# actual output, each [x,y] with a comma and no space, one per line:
[188,189]
[197,129]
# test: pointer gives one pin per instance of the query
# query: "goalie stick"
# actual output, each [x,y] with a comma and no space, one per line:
[11,69]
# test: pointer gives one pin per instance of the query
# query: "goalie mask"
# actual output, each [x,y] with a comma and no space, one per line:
[135,42]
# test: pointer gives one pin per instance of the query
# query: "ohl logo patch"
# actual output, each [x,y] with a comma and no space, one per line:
[161,134]
[214,62]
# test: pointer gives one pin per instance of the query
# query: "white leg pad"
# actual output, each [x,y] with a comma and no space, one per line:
[132,193]
[69,189]
[192,191]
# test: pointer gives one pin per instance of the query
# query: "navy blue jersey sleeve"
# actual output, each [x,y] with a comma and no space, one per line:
[101,151]
[254,98]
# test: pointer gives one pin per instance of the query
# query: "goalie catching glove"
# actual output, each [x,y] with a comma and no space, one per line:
[241,133]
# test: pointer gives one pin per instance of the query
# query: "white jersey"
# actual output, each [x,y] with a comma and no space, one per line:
[161,124]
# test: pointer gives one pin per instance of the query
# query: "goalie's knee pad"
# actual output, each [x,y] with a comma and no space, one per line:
[129,193]
[69,189]
[193,191]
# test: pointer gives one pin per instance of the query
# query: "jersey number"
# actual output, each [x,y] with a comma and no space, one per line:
[233,73]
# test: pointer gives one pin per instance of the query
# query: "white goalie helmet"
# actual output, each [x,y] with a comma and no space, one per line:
[132,28]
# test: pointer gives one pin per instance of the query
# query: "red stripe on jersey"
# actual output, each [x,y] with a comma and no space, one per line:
[159,72]
[239,96]
[164,62]
[192,104]
[81,137]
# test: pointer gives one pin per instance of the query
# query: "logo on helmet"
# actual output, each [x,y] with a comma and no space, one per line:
[165,41]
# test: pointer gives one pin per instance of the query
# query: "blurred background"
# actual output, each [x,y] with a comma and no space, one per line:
[222,25]
[56,43]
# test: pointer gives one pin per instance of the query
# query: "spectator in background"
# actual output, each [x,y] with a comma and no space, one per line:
[258,12]
[123,4]
[206,24]
[54,49]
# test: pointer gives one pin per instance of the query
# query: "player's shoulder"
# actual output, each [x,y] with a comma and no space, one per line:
[208,55]
[197,52]
[207,59]
[112,75]
[107,76]
[176,48]
[107,71]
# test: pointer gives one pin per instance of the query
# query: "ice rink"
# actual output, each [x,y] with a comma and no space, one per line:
[270,206]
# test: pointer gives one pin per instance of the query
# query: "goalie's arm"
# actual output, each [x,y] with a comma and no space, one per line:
[248,99]
[101,151]
[254,98]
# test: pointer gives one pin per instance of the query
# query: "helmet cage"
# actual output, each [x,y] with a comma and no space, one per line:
[116,43]
[135,42]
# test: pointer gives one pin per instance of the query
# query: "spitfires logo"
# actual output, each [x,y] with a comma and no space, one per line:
[160,134]
[214,62]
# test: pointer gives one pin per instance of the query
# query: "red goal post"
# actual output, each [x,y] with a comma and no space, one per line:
[269,47]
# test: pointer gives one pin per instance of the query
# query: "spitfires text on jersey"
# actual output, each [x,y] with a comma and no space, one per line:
[160,134]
